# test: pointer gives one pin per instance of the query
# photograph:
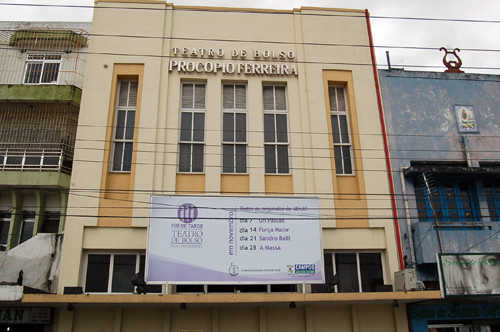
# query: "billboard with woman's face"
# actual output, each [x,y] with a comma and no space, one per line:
[475,274]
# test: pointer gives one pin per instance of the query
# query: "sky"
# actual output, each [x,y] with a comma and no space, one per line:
[479,41]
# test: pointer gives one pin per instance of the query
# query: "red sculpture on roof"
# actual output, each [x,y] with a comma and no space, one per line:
[452,65]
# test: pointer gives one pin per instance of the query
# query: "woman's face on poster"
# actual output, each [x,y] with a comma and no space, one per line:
[481,273]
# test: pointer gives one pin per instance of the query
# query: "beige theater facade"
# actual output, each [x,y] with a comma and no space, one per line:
[235,102]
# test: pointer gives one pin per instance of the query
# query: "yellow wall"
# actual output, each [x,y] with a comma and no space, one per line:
[117,189]
[349,190]
[311,318]
[353,215]
[235,184]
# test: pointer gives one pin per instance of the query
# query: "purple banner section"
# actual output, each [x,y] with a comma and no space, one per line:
[174,271]
[234,240]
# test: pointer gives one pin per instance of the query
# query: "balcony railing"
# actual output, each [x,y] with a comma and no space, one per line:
[42,55]
[48,158]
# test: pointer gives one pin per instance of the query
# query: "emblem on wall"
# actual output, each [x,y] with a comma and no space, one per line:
[466,120]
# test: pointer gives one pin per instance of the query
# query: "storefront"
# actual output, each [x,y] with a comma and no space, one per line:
[456,316]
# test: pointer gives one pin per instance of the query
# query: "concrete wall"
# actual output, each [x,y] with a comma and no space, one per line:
[422,126]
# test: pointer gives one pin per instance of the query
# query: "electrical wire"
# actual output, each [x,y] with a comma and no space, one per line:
[253,42]
[160,56]
[253,11]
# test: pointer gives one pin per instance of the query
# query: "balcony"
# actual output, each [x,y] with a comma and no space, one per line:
[42,56]
[47,157]
[37,143]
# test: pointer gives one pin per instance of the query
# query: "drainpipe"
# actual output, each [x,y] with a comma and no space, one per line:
[408,216]
[386,148]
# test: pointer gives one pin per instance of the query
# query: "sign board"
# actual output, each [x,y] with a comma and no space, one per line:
[231,240]
[475,274]
[25,315]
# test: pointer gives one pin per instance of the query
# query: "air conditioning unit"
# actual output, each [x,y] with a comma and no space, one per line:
[405,280]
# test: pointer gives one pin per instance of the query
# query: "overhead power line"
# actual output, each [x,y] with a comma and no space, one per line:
[254,11]
[161,56]
[254,41]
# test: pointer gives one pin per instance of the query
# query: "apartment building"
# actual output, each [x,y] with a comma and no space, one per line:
[41,77]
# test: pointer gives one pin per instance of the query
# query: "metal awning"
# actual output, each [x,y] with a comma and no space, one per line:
[453,170]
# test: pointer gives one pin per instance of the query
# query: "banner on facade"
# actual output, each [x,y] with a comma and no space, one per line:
[228,240]
[476,274]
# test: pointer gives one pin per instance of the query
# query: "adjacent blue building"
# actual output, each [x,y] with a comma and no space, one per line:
[444,144]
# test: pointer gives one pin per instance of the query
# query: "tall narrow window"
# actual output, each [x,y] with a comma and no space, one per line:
[275,129]
[342,147]
[192,133]
[123,138]
[4,229]
[27,226]
[42,68]
[234,122]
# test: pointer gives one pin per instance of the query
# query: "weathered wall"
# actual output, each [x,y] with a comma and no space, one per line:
[422,126]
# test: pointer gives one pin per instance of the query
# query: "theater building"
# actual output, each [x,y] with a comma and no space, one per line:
[272,115]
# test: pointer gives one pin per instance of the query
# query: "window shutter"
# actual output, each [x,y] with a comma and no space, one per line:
[241,97]
[199,96]
[280,98]
[187,96]
[341,100]
[228,96]
[123,94]
[268,92]
[132,98]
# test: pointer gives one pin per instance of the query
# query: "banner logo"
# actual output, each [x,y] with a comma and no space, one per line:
[187,213]
[301,269]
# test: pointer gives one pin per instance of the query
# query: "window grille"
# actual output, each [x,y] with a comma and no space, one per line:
[123,138]
[452,201]
[42,68]
[234,123]
[41,137]
[275,129]
[192,133]
[342,146]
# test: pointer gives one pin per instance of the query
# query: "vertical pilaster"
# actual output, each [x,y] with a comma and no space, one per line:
[117,326]
[215,320]
[40,211]
[309,318]
[166,319]
[400,319]
[354,317]
[64,209]
[15,219]
[64,321]
[262,319]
